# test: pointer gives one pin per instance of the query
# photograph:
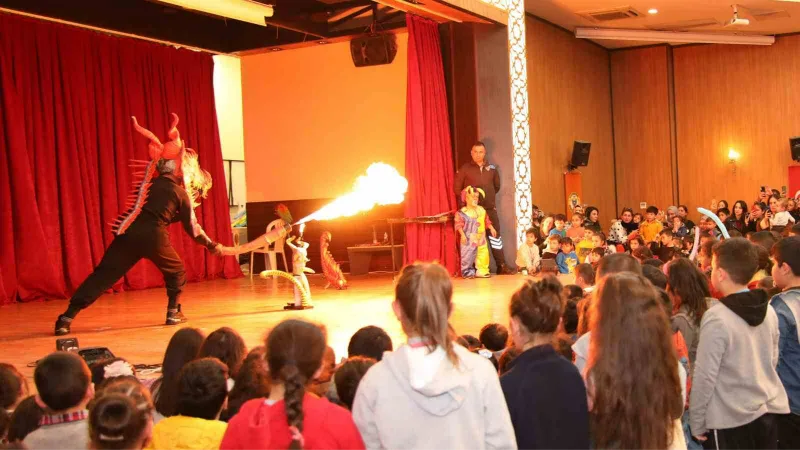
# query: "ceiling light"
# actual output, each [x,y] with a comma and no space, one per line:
[672,37]
[322,42]
[275,49]
[244,10]
[652,11]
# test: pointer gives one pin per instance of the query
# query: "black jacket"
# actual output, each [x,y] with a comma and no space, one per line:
[167,202]
[546,398]
[485,177]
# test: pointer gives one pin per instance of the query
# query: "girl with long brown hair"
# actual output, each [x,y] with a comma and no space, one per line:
[294,357]
[430,392]
[690,295]
[632,375]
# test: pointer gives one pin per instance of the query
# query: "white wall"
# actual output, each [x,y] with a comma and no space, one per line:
[228,99]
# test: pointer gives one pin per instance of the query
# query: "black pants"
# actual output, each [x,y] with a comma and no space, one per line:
[788,431]
[761,433]
[496,244]
[121,255]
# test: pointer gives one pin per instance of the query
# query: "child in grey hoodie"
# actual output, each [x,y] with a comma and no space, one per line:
[736,391]
[430,392]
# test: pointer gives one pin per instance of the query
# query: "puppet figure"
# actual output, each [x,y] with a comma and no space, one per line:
[330,268]
[299,270]
[471,225]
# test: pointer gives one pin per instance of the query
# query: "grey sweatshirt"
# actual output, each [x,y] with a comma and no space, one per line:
[735,381]
[71,435]
[416,399]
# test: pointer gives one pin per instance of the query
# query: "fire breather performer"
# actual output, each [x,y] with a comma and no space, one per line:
[166,190]
[471,223]
[299,269]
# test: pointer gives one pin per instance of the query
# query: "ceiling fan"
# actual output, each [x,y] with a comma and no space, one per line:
[742,17]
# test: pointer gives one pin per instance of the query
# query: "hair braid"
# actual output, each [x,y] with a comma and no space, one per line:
[294,390]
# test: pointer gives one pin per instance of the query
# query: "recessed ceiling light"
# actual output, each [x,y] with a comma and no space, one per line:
[275,49]
[652,11]
[322,42]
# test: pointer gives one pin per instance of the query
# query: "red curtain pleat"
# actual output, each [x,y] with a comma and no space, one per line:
[66,98]
[429,162]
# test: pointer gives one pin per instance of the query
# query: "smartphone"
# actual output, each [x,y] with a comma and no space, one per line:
[763,189]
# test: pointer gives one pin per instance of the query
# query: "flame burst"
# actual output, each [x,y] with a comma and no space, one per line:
[382,185]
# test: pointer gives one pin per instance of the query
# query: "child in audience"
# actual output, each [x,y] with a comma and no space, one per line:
[638,218]
[183,347]
[13,389]
[688,290]
[202,391]
[655,276]
[635,243]
[779,217]
[431,393]
[642,254]
[663,249]
[736,390]
[584,246]
[544,228]
[559,229]
[650,228]
[567,259]
[121,415]
[599,241]
[226,345]
[584,277]
[291,417]
[573,290]
[323,381]
[551,251]
[251,382]
[786,276]
[64,387]
[25,419]
[504,364]
[545,393]
[595,256]
[723,214]
[570,319]
[111,368]
[469,342]
[349,376]
[528,254]
[575,232]
[494,337]
[678,228]
[795,230]
[709,227]
[370,342]
[631,333]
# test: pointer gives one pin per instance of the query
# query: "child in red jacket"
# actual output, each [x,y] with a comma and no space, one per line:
[290,417]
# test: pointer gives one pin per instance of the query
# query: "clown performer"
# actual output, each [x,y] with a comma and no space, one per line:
[299,269]
[471,224]
[166,190]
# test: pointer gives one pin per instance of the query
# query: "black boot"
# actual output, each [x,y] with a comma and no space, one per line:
[175,316]
[504,270]
[62,325]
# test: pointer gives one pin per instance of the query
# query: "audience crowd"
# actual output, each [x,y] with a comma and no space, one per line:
[649,348]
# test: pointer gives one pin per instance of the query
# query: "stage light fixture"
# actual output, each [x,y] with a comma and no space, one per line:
[244,10]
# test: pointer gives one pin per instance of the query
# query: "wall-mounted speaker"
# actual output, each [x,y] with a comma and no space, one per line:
[580,154]
[794,146]
[373,50]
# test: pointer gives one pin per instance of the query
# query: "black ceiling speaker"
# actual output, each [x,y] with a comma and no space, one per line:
[580,154]
[794,145]
[373,50]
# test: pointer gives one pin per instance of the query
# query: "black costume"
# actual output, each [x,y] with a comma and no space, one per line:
[147,237]
[486,178]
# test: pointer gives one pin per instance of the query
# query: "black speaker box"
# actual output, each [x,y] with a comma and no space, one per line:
[794,145]
[373,50]
[580,154]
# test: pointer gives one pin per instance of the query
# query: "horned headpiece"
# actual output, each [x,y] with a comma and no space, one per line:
[172,150]
[470,191]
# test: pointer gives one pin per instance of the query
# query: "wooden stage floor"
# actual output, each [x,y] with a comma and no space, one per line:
[131,324]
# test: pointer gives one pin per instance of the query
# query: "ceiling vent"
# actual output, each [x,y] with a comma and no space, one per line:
[607,15]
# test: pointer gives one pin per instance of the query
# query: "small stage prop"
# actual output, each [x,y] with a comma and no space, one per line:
[441,218]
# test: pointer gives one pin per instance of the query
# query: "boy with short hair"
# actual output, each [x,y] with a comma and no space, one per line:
[559,229]
[662,249]
[650,228]
[786,276]
[599,241]
[736,391]
[64,386]
[584,277]
[528,254]
[566,259]
[780,216]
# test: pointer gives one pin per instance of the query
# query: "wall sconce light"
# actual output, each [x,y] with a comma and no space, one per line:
[733,158]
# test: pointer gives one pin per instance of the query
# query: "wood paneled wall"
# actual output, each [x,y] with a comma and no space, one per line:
[570,99]
[737,96]
[639,87]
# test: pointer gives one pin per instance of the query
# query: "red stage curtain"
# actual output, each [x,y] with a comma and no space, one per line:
[429,162]
[66,98]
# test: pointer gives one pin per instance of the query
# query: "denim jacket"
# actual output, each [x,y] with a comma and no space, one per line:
[787,306]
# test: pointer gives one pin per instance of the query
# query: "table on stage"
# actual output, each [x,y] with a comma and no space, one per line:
[441,219]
